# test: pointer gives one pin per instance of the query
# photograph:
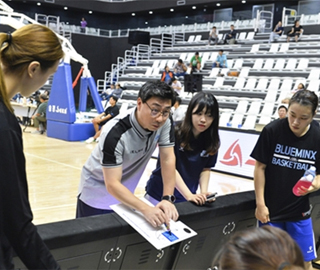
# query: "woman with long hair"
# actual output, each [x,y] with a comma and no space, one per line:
[196,147]
[28,57]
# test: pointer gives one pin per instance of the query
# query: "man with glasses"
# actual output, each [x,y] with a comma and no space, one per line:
[126,144]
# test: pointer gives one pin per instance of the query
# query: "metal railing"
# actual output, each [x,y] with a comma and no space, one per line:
[289,15]
[171,29]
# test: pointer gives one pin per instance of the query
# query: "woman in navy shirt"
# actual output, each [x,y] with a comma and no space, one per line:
[196,149]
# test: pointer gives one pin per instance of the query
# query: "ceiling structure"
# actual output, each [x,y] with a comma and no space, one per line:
[145,5]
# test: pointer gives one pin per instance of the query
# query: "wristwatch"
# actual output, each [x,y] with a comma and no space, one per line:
[170,198]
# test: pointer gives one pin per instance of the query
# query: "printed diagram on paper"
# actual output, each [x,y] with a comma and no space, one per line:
[159,237]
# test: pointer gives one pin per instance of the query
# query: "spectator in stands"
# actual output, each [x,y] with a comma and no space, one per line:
[277,32]
[116,92]
[196,148]
[285,149]
[296,31]
[99,121]
[213,35]
[39,118]
[167,75]
[178,112]
[107,92]
[180,68]
[126,144]
[291,93]
[176,85]
[195,62]
[221,61]
[29,56]
[299,88]
[266,248]
[230,36]
[282,111]
[83,25]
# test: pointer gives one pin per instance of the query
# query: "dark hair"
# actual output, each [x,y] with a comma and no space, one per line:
[197,53]
[157,89]
[44,97]
[231,25]
[214,27]
[184,132]
[284,107]
[115,98]
[295,22]
[264,248]
[303,87]
[221,50]
[178,99]
[305,98]
[180,61]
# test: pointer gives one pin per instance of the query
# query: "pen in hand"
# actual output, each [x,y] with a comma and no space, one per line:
[168,229]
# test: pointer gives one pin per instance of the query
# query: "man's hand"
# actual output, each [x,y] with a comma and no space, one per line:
[262,214]
[169,210]
[155,216]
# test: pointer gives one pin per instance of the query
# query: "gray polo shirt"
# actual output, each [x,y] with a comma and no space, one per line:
[123,142]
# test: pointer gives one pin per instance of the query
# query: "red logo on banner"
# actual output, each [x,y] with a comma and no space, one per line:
[233,156]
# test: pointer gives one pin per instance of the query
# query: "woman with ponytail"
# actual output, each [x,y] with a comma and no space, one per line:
[28,57]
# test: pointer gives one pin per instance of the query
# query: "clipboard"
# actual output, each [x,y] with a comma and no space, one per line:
[159,237]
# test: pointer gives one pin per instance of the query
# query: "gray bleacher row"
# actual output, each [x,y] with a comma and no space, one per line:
[262,95]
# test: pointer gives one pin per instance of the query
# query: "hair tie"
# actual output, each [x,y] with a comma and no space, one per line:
[283,265]
[9,36]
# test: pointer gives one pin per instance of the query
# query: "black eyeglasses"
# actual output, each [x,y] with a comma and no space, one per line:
[156,113]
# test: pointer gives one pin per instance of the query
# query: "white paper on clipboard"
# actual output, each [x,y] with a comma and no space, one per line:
[158,237]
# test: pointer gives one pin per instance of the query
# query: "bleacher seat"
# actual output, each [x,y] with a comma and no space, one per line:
[237,119]
[238,64]
[191,38]
[280,64]
[314,86]
[314,74]
[274,48]
[250,122]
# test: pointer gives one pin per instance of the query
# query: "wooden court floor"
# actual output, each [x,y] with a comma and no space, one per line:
[53,173]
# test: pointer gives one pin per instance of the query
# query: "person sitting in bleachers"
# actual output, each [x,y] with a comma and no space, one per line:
[195,62]
[213,35]
[180,68]
[176,85]
[277,32]
[103,118]
[39,118]
[221,61]
[178,112]
[167,75]
[230,36]
[115,93]
[282,111]
[296,31]
[107,92]
[291,93]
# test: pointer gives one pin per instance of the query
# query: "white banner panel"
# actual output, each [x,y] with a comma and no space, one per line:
[234,153]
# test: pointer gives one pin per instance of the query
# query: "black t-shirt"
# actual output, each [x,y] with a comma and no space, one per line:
[287,157]
[113,111]
[16,228]
[297,29]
